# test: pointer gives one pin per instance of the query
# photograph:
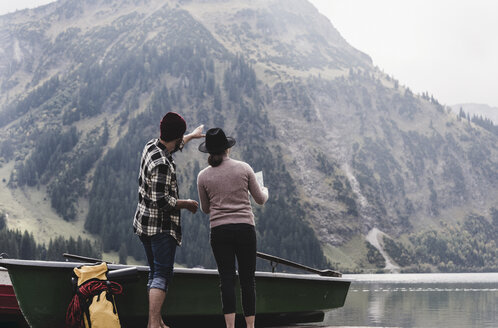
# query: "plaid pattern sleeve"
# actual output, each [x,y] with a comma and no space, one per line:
[157,193]
[160,180]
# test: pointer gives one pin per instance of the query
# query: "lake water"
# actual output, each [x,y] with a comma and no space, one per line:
[419,300]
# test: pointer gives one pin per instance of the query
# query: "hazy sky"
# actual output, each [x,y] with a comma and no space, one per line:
[448,48]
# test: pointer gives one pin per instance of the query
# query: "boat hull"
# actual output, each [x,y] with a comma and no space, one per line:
[44,291]
[10,314]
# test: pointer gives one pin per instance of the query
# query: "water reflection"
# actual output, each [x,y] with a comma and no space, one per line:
[426,300]
[376,308]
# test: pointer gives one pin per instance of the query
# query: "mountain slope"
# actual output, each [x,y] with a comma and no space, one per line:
[482,110]
[344,148]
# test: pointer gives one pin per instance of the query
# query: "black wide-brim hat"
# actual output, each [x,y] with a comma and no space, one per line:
[216,142]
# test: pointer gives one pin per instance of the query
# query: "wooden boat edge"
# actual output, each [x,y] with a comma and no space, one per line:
[141,268]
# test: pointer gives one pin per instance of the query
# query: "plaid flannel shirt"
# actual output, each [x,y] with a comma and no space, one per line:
[157,193]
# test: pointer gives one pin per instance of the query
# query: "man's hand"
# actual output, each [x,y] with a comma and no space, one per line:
[192,205]
[196,134]
[188,204]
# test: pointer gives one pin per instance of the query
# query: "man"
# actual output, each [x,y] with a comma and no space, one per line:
[157,218]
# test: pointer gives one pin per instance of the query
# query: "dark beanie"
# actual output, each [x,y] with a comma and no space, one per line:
[173,126]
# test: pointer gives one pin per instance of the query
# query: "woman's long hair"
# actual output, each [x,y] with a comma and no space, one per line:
[215,159]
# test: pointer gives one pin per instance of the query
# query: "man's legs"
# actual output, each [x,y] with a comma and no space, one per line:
[160,250]
[156,300]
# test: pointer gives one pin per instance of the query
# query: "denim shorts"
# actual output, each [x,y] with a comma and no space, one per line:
[160,250]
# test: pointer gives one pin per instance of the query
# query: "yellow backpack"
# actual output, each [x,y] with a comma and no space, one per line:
[93,305]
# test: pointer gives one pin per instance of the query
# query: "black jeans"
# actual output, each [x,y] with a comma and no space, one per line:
[232,241]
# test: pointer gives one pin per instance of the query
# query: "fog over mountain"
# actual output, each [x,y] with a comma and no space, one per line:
[347,152]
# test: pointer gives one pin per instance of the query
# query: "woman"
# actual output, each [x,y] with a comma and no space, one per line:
[224,188]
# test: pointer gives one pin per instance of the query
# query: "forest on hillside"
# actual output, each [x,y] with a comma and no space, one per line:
[22,245]
[468,246]
[342,153]
[113,195]
[237,98]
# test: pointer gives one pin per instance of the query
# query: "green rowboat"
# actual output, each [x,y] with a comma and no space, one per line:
[44,291]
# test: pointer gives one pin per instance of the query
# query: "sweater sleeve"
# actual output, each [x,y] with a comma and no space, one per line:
[203,196]
[259,194]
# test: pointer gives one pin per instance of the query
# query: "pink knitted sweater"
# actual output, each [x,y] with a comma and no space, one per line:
[224,192]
